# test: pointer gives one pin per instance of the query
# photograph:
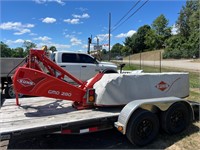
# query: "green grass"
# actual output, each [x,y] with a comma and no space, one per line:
[194,96]
[194,78]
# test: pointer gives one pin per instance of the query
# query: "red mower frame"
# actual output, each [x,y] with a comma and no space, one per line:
[30,79]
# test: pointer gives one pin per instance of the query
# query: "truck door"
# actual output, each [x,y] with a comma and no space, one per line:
[70,62]
[89,66]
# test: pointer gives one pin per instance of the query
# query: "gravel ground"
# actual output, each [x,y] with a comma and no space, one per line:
[185,64]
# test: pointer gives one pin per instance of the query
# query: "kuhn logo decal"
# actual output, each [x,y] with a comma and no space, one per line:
[26,82]
[162,86]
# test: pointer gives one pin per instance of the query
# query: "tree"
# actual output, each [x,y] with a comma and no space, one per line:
[140,38]
[28,45]
[160,33]
[173,47]
[117,49]
[53,48]
[126,51]
[104,51]
[5,50]
[193,23]
[186,43]
[153,40]
[183,22]
[130,42]
[160,25]
[19,52]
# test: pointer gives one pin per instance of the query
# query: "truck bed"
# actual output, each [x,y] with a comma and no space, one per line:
[37,114]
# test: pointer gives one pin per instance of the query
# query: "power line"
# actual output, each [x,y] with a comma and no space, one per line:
[131,15]
[127,13]
[106,38]
[127,18]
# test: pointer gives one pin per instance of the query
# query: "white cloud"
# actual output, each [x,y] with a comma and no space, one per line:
[10,25]
[45,1]
[124,35]
[121,35]
[85,15]
[29,25]
[73,34]
[32,34]
[49,20]
[61,46]
[23,31]
[75,41]
[82,9]
[69,36]
[103,37]
[18,41]
[130,33]
[85,46]
[57,45]
[44,38]
[17,26]
[72,21]
[174,30]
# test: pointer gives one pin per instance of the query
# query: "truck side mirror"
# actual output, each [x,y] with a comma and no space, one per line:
[121,66]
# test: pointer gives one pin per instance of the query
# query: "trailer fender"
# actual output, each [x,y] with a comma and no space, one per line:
[154,105]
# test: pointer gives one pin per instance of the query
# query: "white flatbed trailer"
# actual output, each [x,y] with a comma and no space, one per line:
[40,115]
[47,115]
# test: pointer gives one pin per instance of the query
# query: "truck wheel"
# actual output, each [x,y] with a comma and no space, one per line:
[175,119]
[142,128]
[10,93]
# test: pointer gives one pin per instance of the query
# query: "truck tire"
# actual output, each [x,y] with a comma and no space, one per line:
[175,119]
[10,93]
[2,99]
[142,128]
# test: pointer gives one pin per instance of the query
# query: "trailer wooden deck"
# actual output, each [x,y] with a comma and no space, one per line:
[39,113]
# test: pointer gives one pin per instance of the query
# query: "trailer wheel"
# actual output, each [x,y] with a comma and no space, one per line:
[175,119]
[10,93]
[142,128]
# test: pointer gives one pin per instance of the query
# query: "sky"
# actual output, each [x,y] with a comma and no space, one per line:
[68,24]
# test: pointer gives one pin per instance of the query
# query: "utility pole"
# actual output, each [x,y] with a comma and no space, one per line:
[89,42]
[97,41]
[109,35]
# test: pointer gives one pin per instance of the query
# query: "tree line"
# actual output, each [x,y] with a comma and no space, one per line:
[19,52]
[183,44]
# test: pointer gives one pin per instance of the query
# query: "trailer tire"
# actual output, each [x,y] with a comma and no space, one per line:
[175,119]
[10,93]
[142,128]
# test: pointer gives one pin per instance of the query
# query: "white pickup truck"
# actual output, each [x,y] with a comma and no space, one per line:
[82,65]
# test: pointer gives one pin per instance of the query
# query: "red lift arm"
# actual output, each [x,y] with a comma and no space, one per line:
[32,80]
